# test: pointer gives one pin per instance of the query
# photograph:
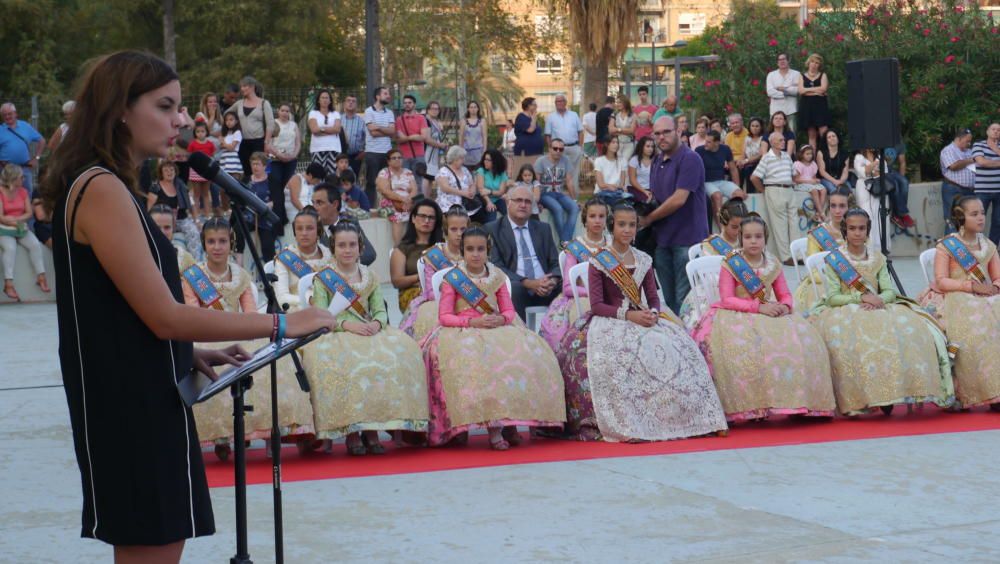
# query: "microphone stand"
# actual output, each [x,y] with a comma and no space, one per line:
[883,218]
[242,556]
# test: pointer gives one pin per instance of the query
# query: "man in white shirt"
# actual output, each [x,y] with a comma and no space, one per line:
[773,177]
[380,129]
[783,89]
[565,124]
[590,131]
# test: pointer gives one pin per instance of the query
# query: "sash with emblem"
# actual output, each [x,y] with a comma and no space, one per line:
[337,285]
[468,290]
[720,245]
[846,271]
[822,236]
[746,276]
[294,263]
[957,249]
[437,258]
[578,250]
[207,293]
[623,279]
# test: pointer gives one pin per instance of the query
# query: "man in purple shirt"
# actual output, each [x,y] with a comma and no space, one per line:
[677,179]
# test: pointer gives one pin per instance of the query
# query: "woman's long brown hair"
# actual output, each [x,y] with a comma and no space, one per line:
[109,85]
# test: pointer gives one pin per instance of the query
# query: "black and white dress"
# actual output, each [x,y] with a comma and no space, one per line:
[120,382]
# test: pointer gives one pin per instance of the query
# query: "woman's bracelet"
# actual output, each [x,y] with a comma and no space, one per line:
[274,327]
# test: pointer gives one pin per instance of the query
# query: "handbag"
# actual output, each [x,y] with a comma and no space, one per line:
[470,204]
[877,188]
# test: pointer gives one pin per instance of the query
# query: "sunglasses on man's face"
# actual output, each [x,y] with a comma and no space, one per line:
[558,149]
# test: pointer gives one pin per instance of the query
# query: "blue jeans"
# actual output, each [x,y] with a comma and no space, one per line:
[670,264]
[501,210]
[564,211]
[898,198]
[613,197]
[948,193]
[830,186]
[987,199]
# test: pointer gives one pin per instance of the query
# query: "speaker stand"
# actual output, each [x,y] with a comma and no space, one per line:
[883,219]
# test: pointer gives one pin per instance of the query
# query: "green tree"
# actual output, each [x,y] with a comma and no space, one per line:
[949,63]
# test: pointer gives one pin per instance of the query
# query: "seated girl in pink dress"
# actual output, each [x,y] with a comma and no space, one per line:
[421,316]
[562,313]
[632,373]
[698,301]
[764,360]
[484,368]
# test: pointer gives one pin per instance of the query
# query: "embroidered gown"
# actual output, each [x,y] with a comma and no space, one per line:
[184,258]
[631,382]
[695,304]
[214,417]
[805,298]
[422,314]
[364,383]
[764,365]
[972,322]
[885,356]
[562,313]
[488,377]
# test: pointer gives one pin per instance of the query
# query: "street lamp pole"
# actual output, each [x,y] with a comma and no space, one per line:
[677,67]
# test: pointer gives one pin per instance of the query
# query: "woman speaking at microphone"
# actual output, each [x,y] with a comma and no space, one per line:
[124,332]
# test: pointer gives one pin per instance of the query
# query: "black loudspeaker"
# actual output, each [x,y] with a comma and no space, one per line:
[873,103]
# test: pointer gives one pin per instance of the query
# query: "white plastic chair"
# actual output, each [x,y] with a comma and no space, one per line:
[305,289]
[694,252]
[927,264]
[799,249]
[420,273]
[436,282]
[703,276]
[533,316]
[269,267]
[562,261]
[579,272]
[815,265]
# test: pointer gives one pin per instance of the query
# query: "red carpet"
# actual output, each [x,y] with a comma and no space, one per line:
[777,432]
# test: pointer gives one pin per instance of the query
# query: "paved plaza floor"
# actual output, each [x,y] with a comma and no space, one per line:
[926,498]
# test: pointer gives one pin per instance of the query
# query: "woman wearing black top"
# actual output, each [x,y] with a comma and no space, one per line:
[169,190]
[832,161]
[124,332]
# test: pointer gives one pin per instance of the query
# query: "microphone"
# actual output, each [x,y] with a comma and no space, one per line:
[203,165]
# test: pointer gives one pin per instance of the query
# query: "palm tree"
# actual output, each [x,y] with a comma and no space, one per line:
[603,29]
[493,86]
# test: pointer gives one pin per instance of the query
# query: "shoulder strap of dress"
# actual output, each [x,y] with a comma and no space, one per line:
[79,195]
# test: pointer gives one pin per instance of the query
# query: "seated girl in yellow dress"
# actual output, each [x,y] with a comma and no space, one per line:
[224,285]
[824,237]
[562,313]
[366,376]
[422,315]
[884,349]
[696,303]
[764,360]
[965,296]
[484,368]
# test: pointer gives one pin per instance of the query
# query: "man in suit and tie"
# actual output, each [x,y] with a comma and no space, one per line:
[524,249]
[326,200]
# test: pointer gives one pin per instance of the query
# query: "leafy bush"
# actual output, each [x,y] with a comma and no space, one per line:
[949,61]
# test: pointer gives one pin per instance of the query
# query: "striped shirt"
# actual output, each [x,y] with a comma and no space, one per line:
[381,118]
[962,177]
[774,169]
[987,179]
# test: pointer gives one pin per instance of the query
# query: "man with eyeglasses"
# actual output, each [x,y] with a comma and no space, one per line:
[677,179]
[326,200]
[558,189]
[523,248]
[783,89]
